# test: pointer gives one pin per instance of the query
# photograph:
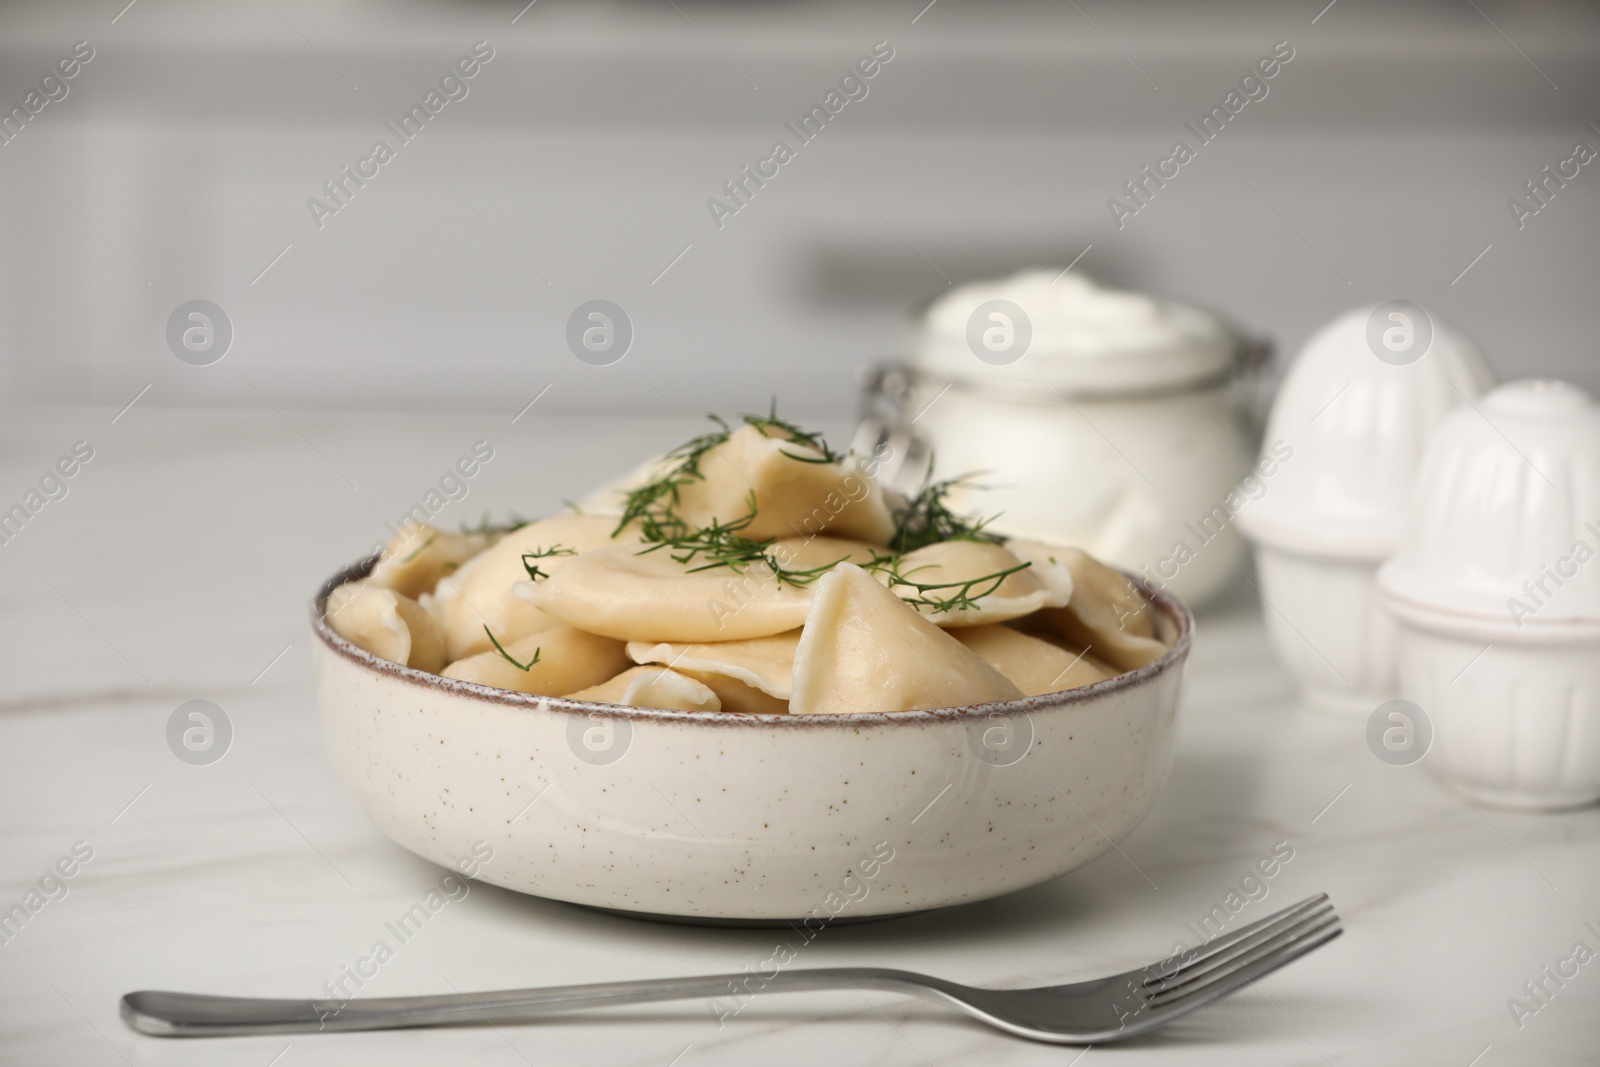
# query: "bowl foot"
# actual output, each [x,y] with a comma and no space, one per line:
[745,924]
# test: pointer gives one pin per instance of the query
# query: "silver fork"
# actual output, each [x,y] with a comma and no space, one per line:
[1096,1011]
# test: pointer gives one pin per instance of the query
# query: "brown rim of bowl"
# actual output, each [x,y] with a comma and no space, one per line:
[1170,606]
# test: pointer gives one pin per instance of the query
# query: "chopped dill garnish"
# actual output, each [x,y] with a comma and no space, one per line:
[770,422]
[533,569]
[721,545]
[966,593]
[420,549]
[927,519]
[507,655]
[487,526]
[654,504]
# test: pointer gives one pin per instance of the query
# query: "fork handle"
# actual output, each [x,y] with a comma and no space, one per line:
[167,1014]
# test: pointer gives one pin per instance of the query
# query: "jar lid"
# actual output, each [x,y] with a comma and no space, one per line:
[1349,427]
[1061,329]
[1505,528]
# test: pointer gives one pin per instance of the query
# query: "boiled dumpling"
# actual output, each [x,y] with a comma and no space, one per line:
[1033,664]
[567,660]
[809,553]
[949,564]
[1106,614]
[481,593]
[632,596]
[797,491]
[652,687]
[612,497]
[419,555]
[764,663]
[387,624]
[864,650]
[738,696]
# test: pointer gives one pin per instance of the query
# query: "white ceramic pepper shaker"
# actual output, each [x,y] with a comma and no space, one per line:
[1347,432]
[1497,591]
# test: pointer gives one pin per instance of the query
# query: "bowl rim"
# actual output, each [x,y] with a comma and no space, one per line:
[1174,610]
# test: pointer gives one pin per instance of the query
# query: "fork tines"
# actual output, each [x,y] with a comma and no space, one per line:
[1227,962]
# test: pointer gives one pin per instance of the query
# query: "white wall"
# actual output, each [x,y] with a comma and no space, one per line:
[192,141]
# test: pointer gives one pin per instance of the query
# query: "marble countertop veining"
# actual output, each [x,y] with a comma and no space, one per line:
[177,567]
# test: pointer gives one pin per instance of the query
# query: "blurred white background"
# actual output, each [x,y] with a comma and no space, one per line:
[180,163]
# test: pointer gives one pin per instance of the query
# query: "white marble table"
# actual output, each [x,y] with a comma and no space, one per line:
[177,567]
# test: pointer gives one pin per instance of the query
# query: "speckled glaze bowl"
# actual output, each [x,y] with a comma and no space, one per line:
[721,818]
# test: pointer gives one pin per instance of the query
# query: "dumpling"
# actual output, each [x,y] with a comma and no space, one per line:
[652,687]
[809,553]
[387,624]
[1106,614]
[736,696]
[1032,664]
[797,491]
[419,555]
[632,596]
[561,660]
[764,663]
[481,593]
[947,565]
[612,497]
[863,649]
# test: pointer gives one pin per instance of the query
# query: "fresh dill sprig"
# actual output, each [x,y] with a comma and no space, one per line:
[797,436]
[720,544]
[966,593]
[654,504]
[420,549]
[927,519]
[487,526]
[533,569]
[507,656]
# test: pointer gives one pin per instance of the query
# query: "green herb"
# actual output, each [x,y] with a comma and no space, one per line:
[507,655]
[927,519]
[795,435]
[721,545]
[486,526]
[421,548]
[534,572]
[966,594]
[654,504]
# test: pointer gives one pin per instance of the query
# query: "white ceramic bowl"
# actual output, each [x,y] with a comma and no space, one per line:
[705,816]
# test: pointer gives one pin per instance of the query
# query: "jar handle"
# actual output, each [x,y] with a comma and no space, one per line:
[901,458]
[1253,371]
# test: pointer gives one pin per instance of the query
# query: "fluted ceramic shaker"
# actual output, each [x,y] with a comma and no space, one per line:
[1496,587]
[1346,437]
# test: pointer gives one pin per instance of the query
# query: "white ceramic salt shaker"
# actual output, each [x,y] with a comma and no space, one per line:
[1497,591]
[1338,469]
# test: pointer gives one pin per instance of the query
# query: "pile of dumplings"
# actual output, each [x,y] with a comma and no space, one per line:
[752,571]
